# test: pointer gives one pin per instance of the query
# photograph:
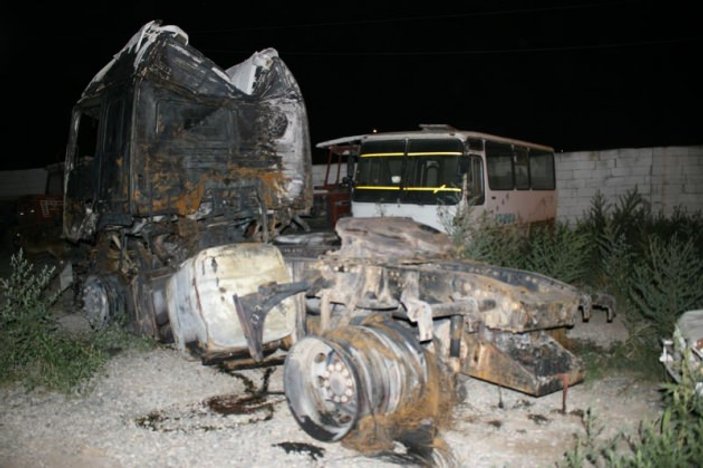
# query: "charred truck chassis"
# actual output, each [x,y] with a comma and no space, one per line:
[390,316]
[177,175]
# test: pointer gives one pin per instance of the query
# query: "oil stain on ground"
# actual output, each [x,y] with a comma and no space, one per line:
[219,412]
[313,451]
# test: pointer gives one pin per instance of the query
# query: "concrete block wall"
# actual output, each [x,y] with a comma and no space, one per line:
[667,177]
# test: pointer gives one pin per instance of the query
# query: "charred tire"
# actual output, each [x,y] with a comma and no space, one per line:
[333,381]
[105,300]
[322,388]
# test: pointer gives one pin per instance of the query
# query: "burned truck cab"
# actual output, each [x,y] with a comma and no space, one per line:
[169,154]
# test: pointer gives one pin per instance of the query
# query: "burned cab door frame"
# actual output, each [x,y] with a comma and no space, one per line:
[96,155]
[82,169]
[114,180]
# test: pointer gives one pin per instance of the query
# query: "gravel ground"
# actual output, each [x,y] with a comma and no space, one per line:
[155,409]
[163,409]
[150,409]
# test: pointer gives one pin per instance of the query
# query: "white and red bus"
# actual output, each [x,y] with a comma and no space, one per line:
[428,174]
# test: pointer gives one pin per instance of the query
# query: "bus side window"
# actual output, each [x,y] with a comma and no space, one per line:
[542,170]
[499,162]
[520,165]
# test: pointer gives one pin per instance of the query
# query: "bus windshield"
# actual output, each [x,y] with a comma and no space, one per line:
[418,171]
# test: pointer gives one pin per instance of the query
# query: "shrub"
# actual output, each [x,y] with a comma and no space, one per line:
[640,258]
[630,216]
[615,258]
[483,239]
[614,233]
[25,321]
[559,252]
[35,351]
[667,282]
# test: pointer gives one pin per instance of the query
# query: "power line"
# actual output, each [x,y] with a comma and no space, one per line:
[410,18]
[472,52]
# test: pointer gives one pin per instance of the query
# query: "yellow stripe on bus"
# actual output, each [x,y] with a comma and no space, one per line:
[413,189]
[415,153]
[433,189]
[377,155]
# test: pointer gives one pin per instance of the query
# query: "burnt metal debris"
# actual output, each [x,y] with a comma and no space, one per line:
[392,320]
[179,173]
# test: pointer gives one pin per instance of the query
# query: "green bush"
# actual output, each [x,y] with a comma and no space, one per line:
[483,239]
[631,215]
[553,250]
[614,234]
[667,281]
[614,259]
[651,263]
[34,350]
[559,252]
[25,321]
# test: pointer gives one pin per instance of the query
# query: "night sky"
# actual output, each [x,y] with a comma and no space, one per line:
[573,74]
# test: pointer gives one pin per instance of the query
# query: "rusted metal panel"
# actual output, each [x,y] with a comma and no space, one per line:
[381,260]
[533,363]
[445,291]
[388,238]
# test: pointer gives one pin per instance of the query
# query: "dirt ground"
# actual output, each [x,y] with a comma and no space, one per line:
[497,427]
[504,428]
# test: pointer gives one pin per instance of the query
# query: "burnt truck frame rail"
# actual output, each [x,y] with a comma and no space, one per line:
[392,314]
